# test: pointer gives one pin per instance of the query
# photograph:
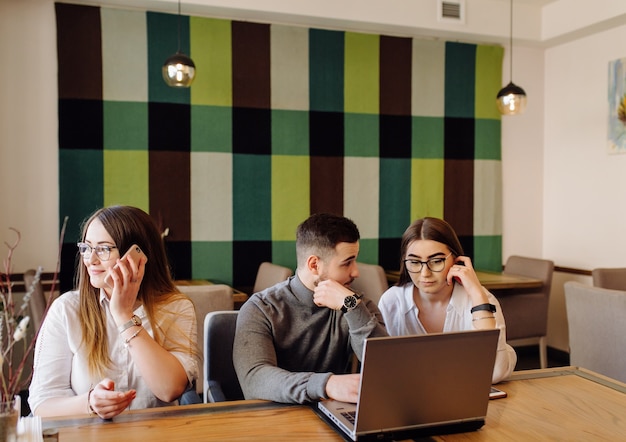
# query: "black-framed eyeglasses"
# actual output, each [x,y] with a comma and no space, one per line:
[434,264]
[103,252]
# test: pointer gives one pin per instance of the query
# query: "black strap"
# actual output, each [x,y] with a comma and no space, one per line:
[487,307]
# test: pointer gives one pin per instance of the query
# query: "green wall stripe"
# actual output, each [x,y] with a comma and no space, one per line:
[81,180]
[290,132]
[251,197]
[427,184]
[326,70]
[212,260]
[395,200]
[162,43]
[427,137]
[211,42]
[290,195]
[211,129]
[126,178]
[362,73]
[125,125]
[488,77]
[460,80]
[361,135]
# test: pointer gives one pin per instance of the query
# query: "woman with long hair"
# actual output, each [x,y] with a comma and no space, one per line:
[125,337]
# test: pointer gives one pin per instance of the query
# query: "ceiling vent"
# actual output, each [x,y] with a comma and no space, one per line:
[452,11]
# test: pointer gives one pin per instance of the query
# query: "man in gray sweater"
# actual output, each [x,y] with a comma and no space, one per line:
[294,341]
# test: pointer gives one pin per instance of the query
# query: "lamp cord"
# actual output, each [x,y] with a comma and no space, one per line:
[178,50]
[511,42]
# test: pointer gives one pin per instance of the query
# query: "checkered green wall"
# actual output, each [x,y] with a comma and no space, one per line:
[281,122]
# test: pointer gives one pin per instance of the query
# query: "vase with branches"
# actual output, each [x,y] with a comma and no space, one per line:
[16,344]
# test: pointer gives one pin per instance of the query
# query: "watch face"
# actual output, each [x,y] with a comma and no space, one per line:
[136,320]
[349,302]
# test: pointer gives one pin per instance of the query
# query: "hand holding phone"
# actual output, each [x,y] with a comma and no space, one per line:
[136,253]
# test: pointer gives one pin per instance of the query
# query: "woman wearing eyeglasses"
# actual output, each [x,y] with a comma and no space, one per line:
[126,337]
[438,291]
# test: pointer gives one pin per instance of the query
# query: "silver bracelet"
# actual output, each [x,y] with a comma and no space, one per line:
[134,335]
[483,317]
[90,410]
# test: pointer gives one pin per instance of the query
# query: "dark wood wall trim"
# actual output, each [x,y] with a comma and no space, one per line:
[47,280]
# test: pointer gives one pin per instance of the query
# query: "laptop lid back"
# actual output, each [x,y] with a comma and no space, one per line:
[425,380]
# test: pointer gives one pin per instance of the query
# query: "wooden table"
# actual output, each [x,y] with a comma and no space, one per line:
[489,280]
[238,296]
[563,403]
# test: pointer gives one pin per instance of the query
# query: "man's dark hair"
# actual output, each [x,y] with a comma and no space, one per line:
[320,233]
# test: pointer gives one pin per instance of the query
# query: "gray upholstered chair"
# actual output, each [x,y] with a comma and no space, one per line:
[526,310]
[207,298]
[221,383]
[372,281]
[609,277]
[597,330]
[270,274]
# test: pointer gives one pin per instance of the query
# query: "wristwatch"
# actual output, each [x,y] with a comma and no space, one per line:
[134,320]
[350,302]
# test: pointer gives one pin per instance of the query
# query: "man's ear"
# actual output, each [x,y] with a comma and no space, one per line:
[313,263]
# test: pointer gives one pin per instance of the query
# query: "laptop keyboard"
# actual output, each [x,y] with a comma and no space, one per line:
[350,415]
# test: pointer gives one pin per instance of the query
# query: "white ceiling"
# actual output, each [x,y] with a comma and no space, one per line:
[536,22]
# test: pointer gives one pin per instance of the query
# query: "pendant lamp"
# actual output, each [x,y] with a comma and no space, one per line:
[179,70]
[511,99]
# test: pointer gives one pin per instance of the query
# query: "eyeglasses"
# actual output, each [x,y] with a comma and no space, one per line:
[434,264]
[102,252]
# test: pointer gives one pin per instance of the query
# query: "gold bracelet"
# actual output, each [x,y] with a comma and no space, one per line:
[134,335]
[90,410]
[483,317]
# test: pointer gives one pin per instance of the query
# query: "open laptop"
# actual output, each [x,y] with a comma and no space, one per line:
[416,386]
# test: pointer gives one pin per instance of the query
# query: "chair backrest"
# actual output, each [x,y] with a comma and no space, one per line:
[372,281]
[270,274]
[207,298]
[597,330]
[221,383]
[609,278]
[38,301]
[526,310]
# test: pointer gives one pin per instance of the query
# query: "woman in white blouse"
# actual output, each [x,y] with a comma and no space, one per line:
[125,338]
[438,291]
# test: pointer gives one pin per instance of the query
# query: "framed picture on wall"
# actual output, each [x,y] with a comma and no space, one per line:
[617,106]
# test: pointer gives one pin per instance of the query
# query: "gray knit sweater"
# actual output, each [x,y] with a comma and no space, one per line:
[286,347]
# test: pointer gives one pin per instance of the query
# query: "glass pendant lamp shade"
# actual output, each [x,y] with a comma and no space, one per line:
[511,100]
[179,70]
